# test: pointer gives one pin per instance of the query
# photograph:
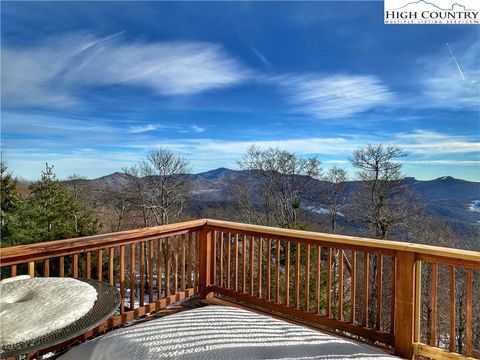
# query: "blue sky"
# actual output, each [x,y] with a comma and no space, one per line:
[91,86]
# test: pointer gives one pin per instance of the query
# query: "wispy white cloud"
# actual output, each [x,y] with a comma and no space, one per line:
[197,129]
[49,73]
[143,128]
[335,96]
[434,143]
[441,83]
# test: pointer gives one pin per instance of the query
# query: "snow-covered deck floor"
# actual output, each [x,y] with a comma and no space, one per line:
[220,332]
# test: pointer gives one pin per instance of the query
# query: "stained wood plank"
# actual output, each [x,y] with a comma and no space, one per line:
[296,302]
[46,267]
[159,268]
[394,296]
[340,285]
[142,273]
[13,270]
[287,274]
[268,264]
[328,290]
[318,276]
[88,264]
[122,278]
[433,301]
[235,266]
[468,317]
[61,265]
[366,280]
[452,313]
[183,257]
[132,276]
[228,250]
[307,278]
[175,264]
[277,271]
[252,264]
[418,300]
[221,260]
[244,264]
[259,267]
[100,265]
[379,291]
[151,261]
[353,287]
[75,266]
[111,255]
[167,268]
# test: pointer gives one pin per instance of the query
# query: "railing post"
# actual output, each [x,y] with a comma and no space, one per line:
[206,261]
[404,304]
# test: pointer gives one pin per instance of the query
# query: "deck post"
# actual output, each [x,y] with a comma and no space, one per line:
[404,304]
[206,270]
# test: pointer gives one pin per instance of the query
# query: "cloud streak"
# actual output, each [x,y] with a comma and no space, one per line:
[49,74]
[335,96]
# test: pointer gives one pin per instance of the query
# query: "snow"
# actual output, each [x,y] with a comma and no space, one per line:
[30,308]
[220,332]
[474,206]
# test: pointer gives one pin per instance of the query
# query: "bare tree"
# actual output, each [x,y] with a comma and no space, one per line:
[285,182]
[335,193]
[384,199]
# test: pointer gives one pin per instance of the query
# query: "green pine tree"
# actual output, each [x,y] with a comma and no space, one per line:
[51,213]
[9,202]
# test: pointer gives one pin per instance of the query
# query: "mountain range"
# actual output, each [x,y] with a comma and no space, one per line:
[451,199]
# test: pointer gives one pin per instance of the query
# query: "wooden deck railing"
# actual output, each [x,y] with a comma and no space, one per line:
[414,299]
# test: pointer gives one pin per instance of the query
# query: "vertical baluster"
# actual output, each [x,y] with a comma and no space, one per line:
[268,265]
[189,267]
[259,266]
[132,276]
[379,291]
[353,286]
[329,283]
[13,270]
[235,264]
[228,259]
[175,264]
[100,265]
[318,275]
[244,264]
[307,278]
[182,274]
[277,271]
[433,299]
[366,264]
[252,265]
[451,346]
[418,300]
[287,274]
[159,268]
[122,278]
[197,258]
[89,264]
[214,257]
[142,273]
[220,250]
[150,271]
[393,297]
[61,265]
[46,267]
[75,266]
[167,267]
[297,277]
[31,268]
[468,318]
[111,254]
[340,285]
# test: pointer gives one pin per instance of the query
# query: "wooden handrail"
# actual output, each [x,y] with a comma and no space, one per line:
[44,250]
[429,250]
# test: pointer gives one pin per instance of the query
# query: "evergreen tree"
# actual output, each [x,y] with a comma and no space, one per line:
[9,202]
[51,213]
